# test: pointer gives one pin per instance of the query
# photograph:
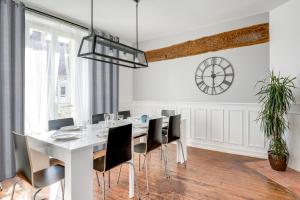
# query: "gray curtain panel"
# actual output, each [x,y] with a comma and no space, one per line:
[12,63]
[105,87]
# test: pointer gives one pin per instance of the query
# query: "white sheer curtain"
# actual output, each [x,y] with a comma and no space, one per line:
[82,83]
[37,64]
[56,81]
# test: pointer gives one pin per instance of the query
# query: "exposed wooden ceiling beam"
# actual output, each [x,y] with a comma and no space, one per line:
[247,36]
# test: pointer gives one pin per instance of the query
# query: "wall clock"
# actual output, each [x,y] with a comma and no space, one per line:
[214,75]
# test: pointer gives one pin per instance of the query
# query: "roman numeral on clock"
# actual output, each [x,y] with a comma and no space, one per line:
[206,89]
[200,84]
[226,83]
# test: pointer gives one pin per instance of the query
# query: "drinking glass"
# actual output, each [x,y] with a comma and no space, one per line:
[120,117]
[112,116]
[85,123]
[106,119]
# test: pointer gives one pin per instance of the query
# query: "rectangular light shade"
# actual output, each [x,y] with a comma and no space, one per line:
[106,50]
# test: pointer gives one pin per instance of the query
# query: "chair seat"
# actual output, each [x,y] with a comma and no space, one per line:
[172,139]
[140,148]
[54,161]
[99,154]
[98,164]
[48,176]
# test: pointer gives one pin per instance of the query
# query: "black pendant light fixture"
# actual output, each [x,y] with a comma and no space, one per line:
[110,50]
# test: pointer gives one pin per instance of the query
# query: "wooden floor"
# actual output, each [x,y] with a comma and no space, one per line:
[208,175]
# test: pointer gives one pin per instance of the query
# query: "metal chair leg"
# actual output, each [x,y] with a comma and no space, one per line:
[108,179]
[103,187]
[136,180]
[147,177]
[13,191]
[144,162]
[119,174]
[98,179]
[165,163]
[139,162]
[62,189]
[184,160]
[35,193]
[166,153]
[161,154]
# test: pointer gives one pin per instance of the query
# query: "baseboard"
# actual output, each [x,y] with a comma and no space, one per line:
[230,150]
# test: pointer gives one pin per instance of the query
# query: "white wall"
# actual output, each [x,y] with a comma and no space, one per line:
[173,80]
[284,57]
[285,40]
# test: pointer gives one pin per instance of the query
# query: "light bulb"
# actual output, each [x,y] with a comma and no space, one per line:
[136,60]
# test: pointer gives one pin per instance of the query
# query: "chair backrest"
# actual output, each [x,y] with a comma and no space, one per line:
[125,113]
[118,149]
[174,128]
[22,156]
[154,136]
[59,123]
[167,113]
[96,118]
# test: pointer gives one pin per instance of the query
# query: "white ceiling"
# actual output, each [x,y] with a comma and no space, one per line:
[158,18]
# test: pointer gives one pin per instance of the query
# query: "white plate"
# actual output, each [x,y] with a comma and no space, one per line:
[58,135]
[70,128]
[141,125]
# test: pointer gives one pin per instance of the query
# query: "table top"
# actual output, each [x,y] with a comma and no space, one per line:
[92,135]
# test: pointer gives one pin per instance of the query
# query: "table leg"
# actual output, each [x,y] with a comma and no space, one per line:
[79,175]
[183,137]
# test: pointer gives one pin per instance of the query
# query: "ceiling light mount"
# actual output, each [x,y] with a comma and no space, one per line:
[108,50]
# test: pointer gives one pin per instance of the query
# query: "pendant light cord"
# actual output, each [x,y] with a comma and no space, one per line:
[92,16]
[137,23]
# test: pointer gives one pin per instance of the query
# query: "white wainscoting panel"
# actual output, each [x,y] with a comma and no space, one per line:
[255,139]
[236,127]
[217,125]
[199,124]
[230,128]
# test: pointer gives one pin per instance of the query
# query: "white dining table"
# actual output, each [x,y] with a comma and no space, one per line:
[77,155]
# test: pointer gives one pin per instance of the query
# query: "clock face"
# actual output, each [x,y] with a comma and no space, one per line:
[214,75]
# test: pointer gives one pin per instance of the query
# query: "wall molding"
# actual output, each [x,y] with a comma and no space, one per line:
[225,127]
[247,36]
[247,139]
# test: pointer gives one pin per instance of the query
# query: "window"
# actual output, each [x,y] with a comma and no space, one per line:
[53,74]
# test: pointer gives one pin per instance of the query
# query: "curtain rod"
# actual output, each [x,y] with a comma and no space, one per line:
[54,17]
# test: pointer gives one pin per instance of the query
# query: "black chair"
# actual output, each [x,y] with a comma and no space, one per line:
[99,151]
[96,118]
[59,123]
[153,141]
[173,133]
[126,113]
[167,113]
[39,179]
[118,151]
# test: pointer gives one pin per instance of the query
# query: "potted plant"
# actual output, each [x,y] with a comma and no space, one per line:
[276,96]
